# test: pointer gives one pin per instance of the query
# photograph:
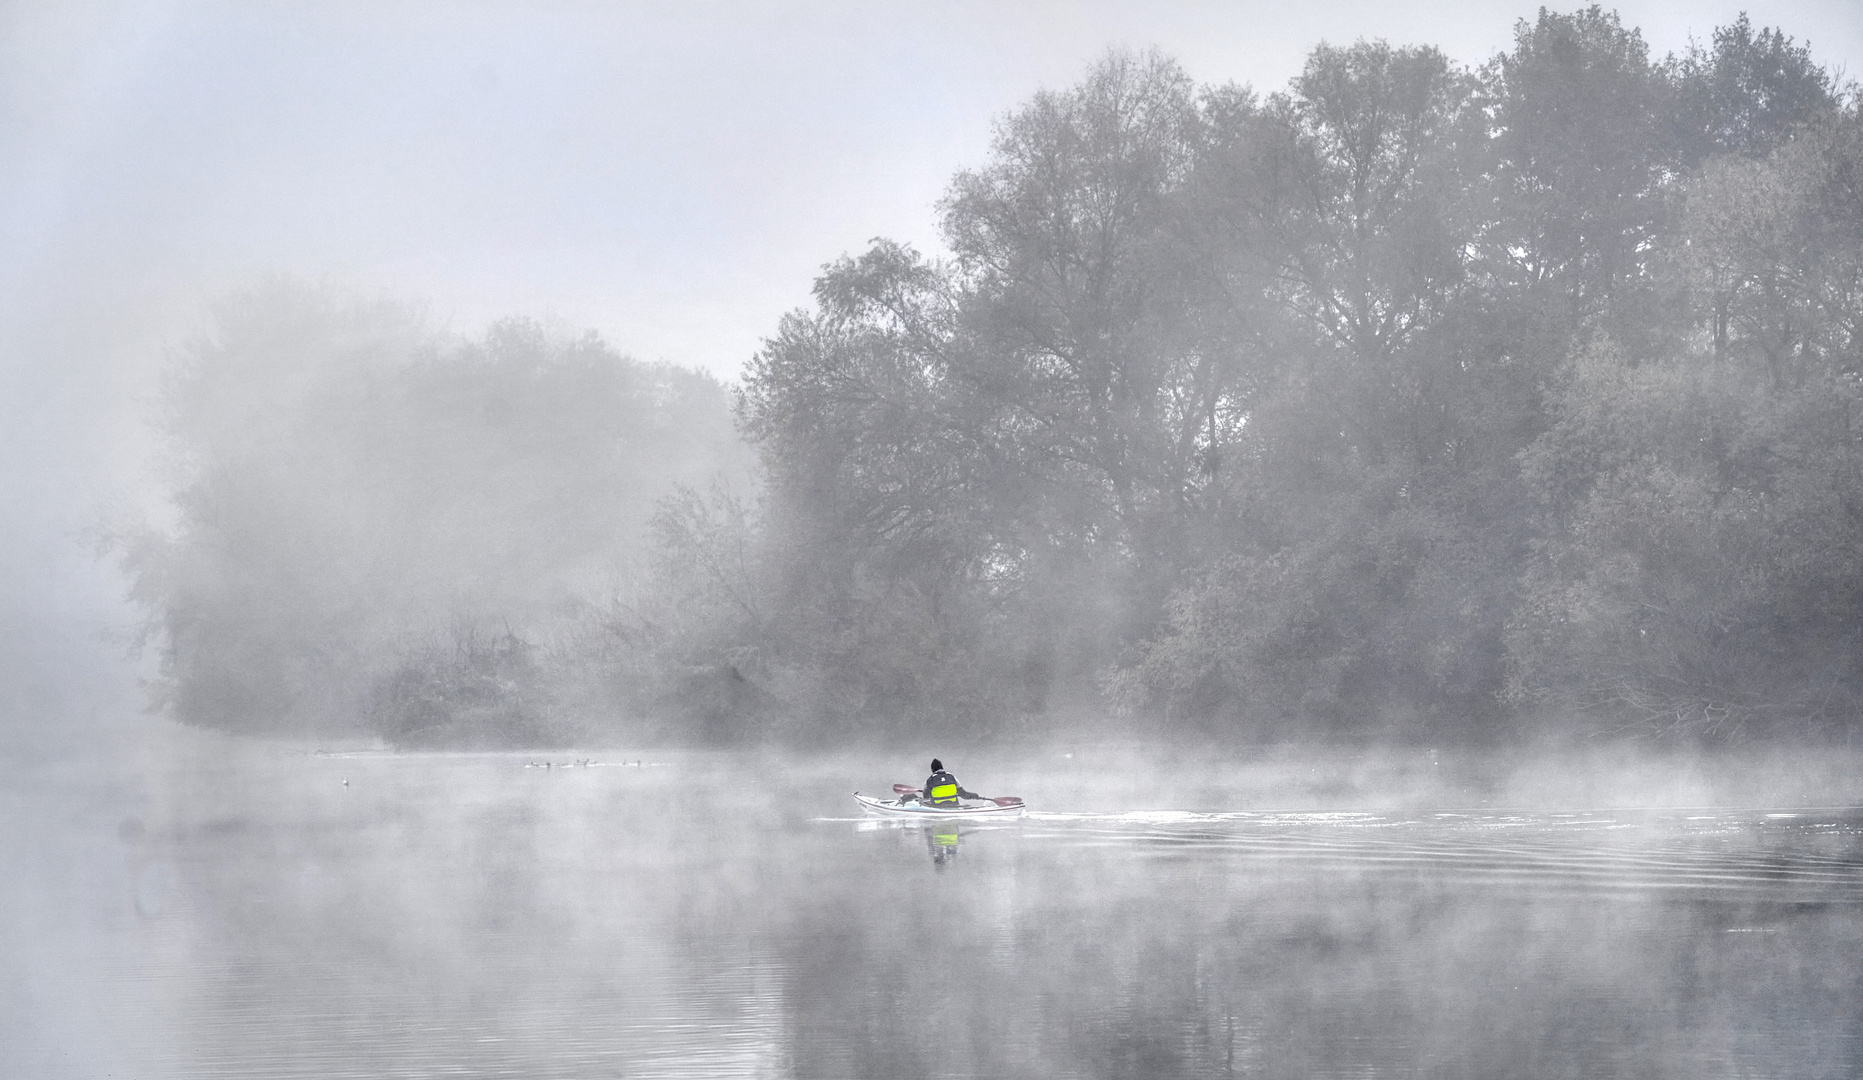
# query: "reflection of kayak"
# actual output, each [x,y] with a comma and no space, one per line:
[914,809]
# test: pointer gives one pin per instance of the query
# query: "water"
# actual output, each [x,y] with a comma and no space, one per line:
[268,913]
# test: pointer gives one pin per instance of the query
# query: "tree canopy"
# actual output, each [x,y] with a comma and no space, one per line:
[1405,400]
[1409,400]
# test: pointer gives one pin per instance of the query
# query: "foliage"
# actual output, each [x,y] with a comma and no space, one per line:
[1299,413]
[1702,560]
[1412,400]
[349,484]
[1746,91]
[479,694]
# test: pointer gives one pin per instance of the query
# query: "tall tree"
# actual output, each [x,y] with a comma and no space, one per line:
[887,493]
[1349,562]
[1581,152]
[1062,240]
[1745,92]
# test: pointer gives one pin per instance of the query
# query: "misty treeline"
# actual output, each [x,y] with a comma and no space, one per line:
[1410,401]
[379,525]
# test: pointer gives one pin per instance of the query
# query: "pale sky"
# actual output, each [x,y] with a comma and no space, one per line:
[672,175]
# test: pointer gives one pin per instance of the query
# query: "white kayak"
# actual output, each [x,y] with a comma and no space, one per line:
[912,808]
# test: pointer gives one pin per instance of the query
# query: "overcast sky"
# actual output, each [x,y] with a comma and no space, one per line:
[670,174]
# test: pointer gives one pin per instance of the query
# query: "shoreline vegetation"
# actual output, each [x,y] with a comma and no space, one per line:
[1410,403]
[1129,775]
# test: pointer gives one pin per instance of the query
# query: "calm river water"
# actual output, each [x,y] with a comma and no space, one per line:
[274,913]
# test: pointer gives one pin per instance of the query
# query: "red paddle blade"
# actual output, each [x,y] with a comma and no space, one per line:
[1007,800]
[901,789]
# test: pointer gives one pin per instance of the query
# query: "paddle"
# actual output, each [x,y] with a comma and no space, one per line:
[1005,800]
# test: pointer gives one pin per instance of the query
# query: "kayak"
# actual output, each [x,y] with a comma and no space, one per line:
[916,809]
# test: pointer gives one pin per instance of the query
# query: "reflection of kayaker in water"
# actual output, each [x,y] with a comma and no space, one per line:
[942,789]
[941,840]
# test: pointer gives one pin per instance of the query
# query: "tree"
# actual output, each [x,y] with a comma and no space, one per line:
[882,490]
[1352,558]
[1581,150]
[1064,243]
[1368,243]
[1745,93]
[1770,247]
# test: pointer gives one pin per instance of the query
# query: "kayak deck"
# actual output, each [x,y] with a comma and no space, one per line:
[897,808]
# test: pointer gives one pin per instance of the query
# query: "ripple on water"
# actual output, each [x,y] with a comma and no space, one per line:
[1604,851]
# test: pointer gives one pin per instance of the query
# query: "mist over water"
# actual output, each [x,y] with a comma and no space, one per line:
[266,910]
[1396,528]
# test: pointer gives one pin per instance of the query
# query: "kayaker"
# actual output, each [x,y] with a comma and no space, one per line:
[942,789]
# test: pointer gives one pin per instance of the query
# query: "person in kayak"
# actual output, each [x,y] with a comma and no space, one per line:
[942,789]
